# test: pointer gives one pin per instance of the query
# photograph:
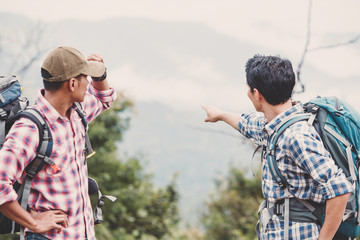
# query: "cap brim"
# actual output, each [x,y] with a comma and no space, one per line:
[94,69]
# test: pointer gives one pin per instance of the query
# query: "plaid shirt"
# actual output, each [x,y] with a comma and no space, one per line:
[304,162]
[67,189]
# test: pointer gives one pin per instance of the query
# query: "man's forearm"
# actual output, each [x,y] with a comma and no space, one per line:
[38,222]
[231,118]
[15,212]
[335,209]
[102,85]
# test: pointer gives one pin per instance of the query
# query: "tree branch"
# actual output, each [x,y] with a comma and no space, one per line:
[351,41]
[308,35]
[307,50]
[29,52]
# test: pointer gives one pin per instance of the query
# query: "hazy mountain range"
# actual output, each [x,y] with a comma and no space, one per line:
[169,69]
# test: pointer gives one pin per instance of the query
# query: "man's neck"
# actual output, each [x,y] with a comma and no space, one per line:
[271,111]
[60,102]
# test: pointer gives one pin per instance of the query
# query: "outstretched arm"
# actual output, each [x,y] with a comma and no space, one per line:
[335,208]
[216,114]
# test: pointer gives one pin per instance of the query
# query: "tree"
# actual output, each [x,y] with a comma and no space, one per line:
[141,210]
[231,211]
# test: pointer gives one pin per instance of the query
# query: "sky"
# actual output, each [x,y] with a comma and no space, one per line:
[332,21]
[232,17]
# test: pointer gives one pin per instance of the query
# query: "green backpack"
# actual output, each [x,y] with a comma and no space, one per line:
[338,125]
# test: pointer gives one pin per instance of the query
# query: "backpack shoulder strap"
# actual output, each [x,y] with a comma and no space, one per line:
[275,172]
[274,169]
[43,153]
[45,139]
[82,114]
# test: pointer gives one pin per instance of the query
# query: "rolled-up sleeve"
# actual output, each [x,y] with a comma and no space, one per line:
[104,96]
[96,101]
[252,126]
[336,185]
[307,148]
[19,148]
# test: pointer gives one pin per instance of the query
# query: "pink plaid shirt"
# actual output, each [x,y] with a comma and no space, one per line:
[67,189]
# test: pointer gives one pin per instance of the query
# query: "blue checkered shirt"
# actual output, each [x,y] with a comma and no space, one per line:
[303,161]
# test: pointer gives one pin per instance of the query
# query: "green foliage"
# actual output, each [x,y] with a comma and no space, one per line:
[10,236]
[141,210]
[231,211]
[107,129]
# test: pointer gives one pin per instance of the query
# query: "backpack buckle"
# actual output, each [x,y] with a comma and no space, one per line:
[269,151]
[30,173]
[281,184]
[101,202]
[52,164]
[314,109]
[3,114]
[55,168]
[279,209]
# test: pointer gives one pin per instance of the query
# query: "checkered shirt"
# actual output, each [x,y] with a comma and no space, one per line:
[303,161]
[66,189]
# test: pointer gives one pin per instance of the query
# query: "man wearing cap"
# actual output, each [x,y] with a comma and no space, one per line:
[59,204]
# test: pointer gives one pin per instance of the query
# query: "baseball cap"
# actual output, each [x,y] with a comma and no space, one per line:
[64,63]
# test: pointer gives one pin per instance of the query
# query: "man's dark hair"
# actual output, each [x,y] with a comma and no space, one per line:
[52,86]
[272,76]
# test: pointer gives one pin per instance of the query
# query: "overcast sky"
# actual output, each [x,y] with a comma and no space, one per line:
[278,27]
[255,21]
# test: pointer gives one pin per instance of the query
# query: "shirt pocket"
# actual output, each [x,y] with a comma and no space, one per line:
[61,157]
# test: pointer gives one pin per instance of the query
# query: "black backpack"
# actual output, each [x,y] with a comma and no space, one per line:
[12,108]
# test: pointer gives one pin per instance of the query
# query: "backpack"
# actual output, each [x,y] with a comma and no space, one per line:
[338,125]
[12,108]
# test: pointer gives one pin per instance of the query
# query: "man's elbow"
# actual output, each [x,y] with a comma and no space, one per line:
[347,195]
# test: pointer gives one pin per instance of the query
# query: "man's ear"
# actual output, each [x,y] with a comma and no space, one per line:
[257,95]
[72,83]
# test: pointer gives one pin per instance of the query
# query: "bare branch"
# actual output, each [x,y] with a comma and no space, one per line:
[28,64]
[29,51]
[354,40]
[307,50]
[38,50]
[308,35]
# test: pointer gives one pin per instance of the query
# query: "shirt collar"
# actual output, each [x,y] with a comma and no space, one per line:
[271,126]
[47,109]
